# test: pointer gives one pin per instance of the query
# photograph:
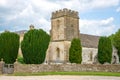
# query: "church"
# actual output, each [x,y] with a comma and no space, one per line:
[65,27]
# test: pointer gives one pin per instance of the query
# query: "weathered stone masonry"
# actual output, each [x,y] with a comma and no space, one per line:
[66,68]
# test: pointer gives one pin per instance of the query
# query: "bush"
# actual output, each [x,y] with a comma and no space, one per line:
[116,40]
[34,46]
[104,50]
[20,60]
[9,45]
[75,51]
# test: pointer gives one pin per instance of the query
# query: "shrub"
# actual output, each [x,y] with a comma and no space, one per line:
[34,46]
[75,51]
[104,50]
[20,59]
[9,45]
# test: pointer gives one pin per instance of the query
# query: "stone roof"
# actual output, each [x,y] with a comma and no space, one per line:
[89,41]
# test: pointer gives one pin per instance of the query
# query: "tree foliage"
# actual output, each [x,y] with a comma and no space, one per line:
[75,51]
[116,40]
[34,46]
[9,45]
[104,50]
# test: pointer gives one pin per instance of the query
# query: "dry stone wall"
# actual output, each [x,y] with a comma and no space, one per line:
[30,68]
[66,67]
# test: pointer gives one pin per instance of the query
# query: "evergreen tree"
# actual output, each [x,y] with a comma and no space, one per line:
[75,51]
[9,45]
[104,50]
[34,46]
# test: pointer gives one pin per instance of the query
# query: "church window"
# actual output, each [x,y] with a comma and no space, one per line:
[58,52]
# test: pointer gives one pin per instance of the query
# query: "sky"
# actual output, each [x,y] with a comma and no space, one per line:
[97,17]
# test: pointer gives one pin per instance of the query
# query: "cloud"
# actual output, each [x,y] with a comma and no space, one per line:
[84,5]
[19,14]
[44,24]
[97,27]
[2,2]
[118,9]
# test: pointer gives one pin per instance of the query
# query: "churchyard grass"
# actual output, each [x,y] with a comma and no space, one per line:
[68,73]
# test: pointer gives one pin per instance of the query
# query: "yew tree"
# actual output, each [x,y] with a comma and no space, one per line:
[9,45]
[34,46]
[104,50]
[75,51]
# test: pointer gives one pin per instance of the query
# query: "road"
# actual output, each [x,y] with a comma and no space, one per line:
[58,77]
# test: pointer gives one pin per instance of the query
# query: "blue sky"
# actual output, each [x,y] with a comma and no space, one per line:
[97,17]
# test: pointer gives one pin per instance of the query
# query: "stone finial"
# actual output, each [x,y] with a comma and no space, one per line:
[16,61]
[2,61]
[31,27]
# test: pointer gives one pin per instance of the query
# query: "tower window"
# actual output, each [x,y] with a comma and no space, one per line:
[71,25]
[58,52]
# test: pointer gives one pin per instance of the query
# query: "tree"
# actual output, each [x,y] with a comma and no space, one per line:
[116,43]
[112,38]
[9,45]
[75,51]
[34,46]
[104,50]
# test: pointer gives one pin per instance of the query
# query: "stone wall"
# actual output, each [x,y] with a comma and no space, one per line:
[89,55]
[66,67]
[58,52]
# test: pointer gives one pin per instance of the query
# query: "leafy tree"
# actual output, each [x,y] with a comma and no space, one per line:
[104,50]
[117,41]
[9,45]
[75,51]
[34,46]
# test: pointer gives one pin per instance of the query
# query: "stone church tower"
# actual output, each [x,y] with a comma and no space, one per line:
[64,27]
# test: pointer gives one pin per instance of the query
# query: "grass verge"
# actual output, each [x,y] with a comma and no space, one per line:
[67,73]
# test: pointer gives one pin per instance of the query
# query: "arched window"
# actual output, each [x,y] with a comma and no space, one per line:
[58,53]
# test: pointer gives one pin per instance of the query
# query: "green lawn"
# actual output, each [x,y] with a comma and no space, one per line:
[67,73]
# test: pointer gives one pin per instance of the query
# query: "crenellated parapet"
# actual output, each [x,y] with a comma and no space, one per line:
[65,12]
